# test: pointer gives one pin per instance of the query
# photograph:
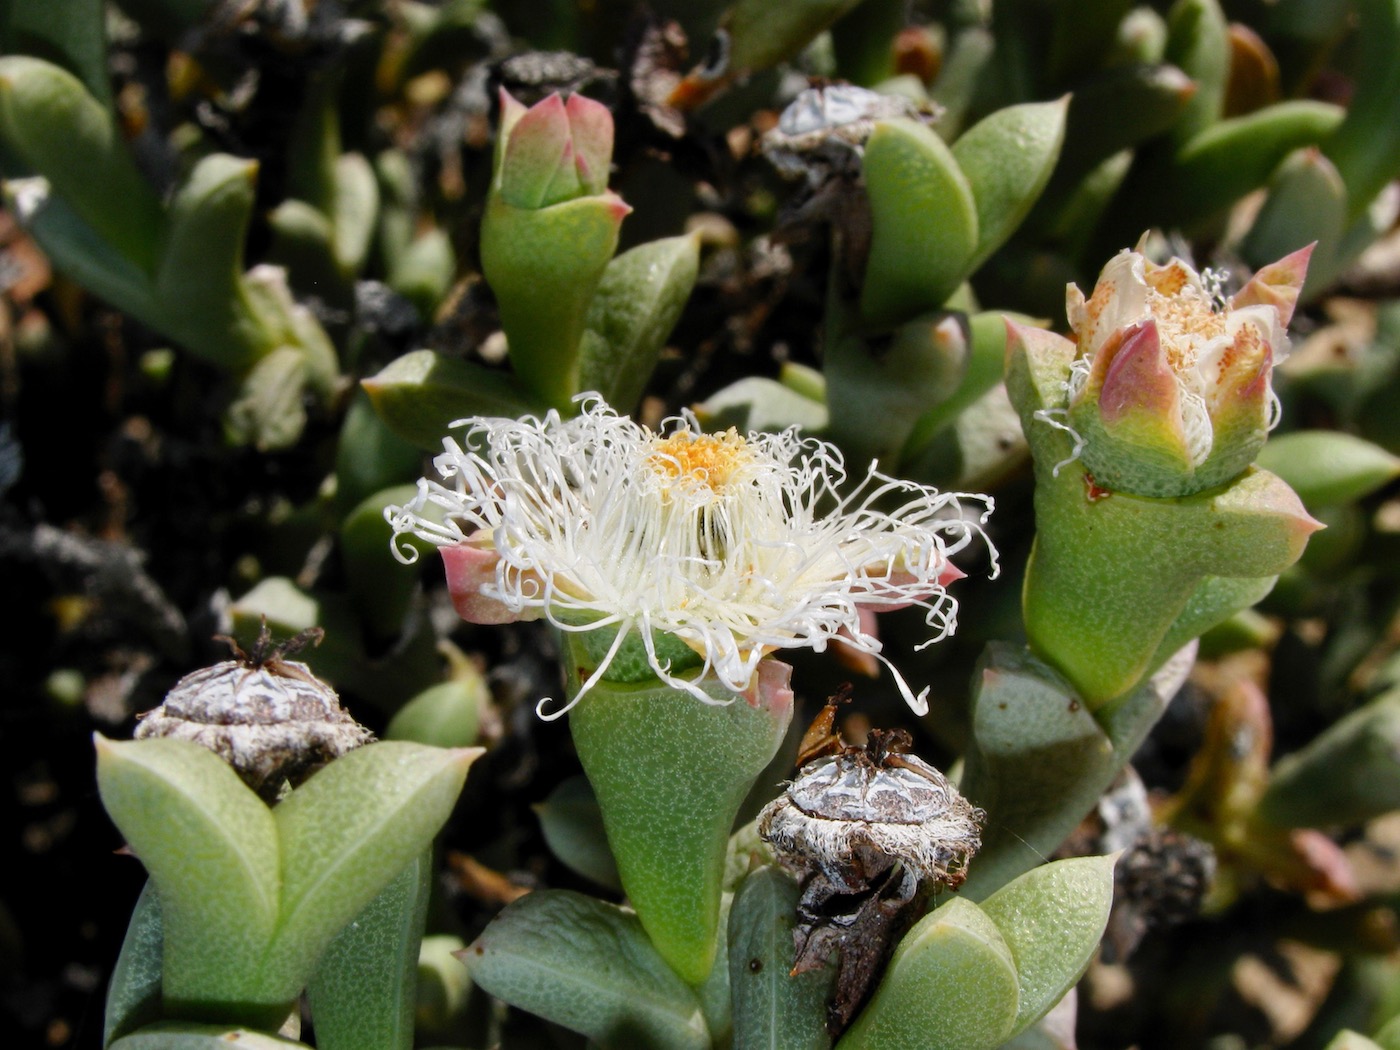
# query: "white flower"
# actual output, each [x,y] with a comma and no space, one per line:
[736,546]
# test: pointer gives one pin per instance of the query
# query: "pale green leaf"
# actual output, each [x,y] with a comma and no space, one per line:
[773,1008]
[1052,919]
[951,985]
[589,966]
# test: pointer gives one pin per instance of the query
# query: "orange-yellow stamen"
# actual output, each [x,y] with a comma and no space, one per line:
[711,459]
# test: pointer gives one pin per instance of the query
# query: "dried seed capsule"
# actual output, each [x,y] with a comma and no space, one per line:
[854,814]
[871,831]
[270,718]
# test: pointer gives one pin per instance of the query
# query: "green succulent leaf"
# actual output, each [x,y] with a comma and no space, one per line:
[1327,466]
[52,123]
[344,835]
[895,381]
[267,411]
[133,994]
[986,361]
[1116,110]
[218,902]
[1007,158]
[355,211]
[1366,146]
[76,249]
[760,403]
[423,271]
[1198,43]
[380,587]
[421,394]
[1040,759]
[670,774]
[1052,918]
[951,985]
[544,266]
[1345,776]
[182,1035]
[589,966]
[1232,157]
[443,982]
[1346,1039]
[1307,204]
[444,715]
[638,302]
[71,34]
[573,829]
[772,1007]
[924,234]
[363,995]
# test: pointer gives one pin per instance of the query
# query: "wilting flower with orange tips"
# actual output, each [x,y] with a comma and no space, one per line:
[1170,392]
[710,550]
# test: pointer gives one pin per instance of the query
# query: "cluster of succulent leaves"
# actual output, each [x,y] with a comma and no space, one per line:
[308,204]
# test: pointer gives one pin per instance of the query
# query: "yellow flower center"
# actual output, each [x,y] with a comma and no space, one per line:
[709,459]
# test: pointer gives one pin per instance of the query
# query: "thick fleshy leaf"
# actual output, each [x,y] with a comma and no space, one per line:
[72,33]
[760,403]
[1233,157]
[218,901]
[133,994]
[924,234]
[1197,43]
[1040,759]
[951,985]
[443,983]
[587,965]
[544,266]
[180,1035]
[77,250]
[670,773]
[1345,776]
[51,122]
[344,836]
[363,995]
[421,394]
[573,829]
[1346,1039]
[1114,111]
[1366,148]
[1327,466]
[638,302]
[986,361]
[199,278]
[369,456]
[1007,158]
[267,411]
[444,715]
[894,381]
[773,1007]
[422,273]
[380,588]
[1052,918]
[1307,203]
[355,211]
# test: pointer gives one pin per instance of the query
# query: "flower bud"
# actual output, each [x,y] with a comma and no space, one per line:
[1170,389]
[550,229]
